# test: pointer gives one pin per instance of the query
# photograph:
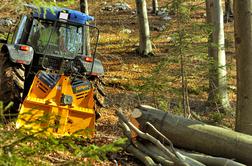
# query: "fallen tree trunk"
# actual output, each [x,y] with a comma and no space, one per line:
[141,156]
[210,160]
[195,135]
[172,157]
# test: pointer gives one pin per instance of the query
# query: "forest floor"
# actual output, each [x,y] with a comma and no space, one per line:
[131,79]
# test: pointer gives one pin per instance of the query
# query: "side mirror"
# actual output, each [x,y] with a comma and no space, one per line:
[3,41]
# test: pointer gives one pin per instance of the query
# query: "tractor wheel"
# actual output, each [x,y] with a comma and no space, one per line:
[11,82]
[100,96]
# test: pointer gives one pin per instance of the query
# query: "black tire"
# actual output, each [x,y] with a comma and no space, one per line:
[100,95]
[11,82]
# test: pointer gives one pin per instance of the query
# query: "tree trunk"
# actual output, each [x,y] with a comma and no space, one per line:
[243,45]
[218,94]
[154,6]
[145,47]
[229,9]
[197,136]
[83,6]
[86,36]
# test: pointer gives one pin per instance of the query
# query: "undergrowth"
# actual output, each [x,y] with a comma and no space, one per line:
[186,63]
[19,148]
[24,147]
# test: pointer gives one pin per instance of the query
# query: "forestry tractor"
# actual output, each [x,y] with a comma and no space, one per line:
[50,75]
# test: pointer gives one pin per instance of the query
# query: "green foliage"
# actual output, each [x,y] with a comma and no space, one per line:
[19,148]
[42,3]
[131,87]
[10,159]
[51,3]
[99,153]
[217,117]
[4,109]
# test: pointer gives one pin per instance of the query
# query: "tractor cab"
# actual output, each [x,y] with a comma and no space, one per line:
[62,34]
[59,32]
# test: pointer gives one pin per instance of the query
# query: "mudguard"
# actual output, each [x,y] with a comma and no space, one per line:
[20,56]
[97,67]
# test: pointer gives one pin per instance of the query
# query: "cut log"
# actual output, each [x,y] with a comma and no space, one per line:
[140,155]
[160,159]
[195,135]
[177,161]
[210,160]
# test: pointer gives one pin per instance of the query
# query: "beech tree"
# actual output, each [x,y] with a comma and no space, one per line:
[218,94]
[154,6]
[84,9]
[145,47]
[243,45]
[229,9]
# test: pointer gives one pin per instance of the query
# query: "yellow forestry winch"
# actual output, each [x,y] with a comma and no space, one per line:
[60,105]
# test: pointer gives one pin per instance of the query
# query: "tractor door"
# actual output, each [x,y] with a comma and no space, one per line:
[22,30]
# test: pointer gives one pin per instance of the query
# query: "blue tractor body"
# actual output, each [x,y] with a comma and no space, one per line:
[52,13]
